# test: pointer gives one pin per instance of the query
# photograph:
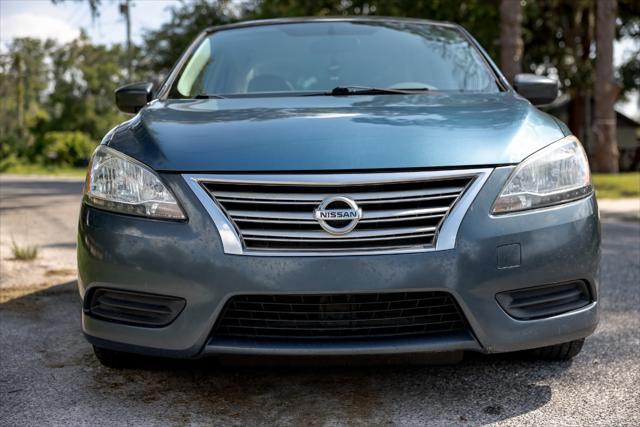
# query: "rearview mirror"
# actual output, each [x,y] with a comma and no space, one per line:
[537,89]
[131,98]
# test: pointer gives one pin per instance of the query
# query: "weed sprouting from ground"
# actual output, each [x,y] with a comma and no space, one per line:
[24,252]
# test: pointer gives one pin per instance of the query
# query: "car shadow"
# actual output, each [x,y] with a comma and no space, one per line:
[480,389]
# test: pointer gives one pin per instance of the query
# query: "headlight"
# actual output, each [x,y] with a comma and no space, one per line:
[556,174]
[119,183]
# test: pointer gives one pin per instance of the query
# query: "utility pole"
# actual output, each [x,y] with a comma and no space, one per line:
[125,10]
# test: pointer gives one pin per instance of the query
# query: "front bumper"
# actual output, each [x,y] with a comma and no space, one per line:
[186,260]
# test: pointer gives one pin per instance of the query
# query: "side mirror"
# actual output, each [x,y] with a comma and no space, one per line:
[131,98]
[537,89]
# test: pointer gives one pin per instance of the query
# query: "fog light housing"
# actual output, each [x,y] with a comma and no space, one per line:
[133,308]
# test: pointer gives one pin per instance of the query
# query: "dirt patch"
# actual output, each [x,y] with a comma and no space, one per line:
[61,272]
[30,306]
[59,360]
[30,301]
[258,396]
[13,293]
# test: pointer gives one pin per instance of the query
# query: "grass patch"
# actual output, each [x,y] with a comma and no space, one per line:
[24,253]
[25,169]
[617,186]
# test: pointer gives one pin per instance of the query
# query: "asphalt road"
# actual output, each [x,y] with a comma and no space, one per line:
[48,375]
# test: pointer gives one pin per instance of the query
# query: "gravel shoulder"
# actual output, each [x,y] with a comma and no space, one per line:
[620,209]
[42,212]
[48,375]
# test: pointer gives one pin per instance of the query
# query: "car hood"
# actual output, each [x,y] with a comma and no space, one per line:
[336,133]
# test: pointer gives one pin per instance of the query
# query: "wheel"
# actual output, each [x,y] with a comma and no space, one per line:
[564,351]
[117,359]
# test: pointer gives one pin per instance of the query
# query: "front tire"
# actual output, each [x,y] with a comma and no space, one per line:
[559,352]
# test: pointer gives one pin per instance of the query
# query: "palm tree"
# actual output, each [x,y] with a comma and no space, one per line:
[605,90]
[511,44]
[94,5]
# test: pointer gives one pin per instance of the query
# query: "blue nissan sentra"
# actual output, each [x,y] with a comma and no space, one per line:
[338,186]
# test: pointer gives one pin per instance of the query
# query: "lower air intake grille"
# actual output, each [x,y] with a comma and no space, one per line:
[545,301]
[133,308]
[339,316]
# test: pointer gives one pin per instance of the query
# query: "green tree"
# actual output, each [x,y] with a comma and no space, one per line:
[629,27]
[479,17]
[66,148]
[55,98]
[24,78]
[162,47]
[85,77]
[558,37]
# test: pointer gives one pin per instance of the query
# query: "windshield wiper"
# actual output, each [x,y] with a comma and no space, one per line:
[208,96]
[336,91]
[366,90]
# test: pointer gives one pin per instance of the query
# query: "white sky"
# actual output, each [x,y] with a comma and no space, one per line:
[63,21]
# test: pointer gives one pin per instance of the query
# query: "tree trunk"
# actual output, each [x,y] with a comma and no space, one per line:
[576,116]
[605,90]
[511,44]
[20,94]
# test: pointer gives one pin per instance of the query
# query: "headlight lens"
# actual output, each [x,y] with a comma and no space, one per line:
[556,174]
[119,183]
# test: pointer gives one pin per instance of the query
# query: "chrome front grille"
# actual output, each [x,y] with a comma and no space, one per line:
[275,213]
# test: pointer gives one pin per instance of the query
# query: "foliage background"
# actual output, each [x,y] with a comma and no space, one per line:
[56,100]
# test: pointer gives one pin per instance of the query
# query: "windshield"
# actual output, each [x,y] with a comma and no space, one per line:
[320,56]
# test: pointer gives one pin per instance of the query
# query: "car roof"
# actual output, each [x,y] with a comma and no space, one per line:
[302,20]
